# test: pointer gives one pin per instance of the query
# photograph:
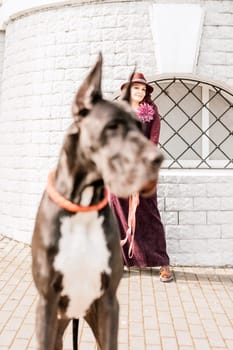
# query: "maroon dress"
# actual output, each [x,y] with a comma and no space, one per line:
[149,241]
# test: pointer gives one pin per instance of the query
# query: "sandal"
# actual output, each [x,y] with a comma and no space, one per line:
[165,274]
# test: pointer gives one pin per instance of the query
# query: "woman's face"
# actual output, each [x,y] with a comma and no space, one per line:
[137,92]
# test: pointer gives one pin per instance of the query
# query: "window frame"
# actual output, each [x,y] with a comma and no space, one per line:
[206,87]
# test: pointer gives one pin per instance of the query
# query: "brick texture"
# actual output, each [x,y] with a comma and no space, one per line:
[2,41]
[43,68]
[203,231]
[216,58]
[191,313]
[39,83]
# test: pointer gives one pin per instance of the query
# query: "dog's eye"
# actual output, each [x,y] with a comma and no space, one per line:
[139,125]
[84,112]
[113,126]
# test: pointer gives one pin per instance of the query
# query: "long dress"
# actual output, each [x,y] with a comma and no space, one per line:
[149,242]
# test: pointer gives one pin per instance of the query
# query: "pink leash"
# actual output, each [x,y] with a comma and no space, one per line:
[133,204]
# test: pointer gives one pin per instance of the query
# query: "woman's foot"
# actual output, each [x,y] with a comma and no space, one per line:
[165,274]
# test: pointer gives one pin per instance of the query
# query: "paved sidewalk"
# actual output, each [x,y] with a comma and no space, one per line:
[195,312]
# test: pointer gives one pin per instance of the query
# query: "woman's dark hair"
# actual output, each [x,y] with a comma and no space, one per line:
[148,99]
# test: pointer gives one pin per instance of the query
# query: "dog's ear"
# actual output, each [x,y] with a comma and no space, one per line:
[89,92]
[126,92]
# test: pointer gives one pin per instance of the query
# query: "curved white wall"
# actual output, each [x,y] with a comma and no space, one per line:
[48,51]
[2,45]
[12,9]
[47,54]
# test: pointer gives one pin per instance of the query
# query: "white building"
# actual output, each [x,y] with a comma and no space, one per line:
[184,48]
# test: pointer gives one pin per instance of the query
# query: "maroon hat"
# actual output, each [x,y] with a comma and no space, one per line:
[139,78]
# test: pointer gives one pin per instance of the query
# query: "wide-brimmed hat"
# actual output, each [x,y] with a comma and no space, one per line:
[139,78]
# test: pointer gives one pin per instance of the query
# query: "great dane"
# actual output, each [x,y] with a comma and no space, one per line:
[76,256]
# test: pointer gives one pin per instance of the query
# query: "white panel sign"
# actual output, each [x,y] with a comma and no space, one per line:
[176,32]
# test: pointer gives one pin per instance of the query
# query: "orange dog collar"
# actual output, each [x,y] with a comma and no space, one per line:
[64,203]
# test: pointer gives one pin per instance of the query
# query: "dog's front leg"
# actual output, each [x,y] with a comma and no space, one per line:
[46,323]
[62,324]
[108,318]
[103,319]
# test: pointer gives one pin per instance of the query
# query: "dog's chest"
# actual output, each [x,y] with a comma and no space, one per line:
[82,257]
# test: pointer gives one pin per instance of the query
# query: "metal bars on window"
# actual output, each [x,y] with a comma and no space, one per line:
[196,123]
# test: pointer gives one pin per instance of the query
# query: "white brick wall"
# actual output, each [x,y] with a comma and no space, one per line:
[202,203]
[47,54]
[216,51]
[2,42]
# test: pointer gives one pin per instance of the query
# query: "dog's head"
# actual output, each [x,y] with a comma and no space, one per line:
[111,141]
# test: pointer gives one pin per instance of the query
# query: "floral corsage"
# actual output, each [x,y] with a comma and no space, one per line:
[145,112]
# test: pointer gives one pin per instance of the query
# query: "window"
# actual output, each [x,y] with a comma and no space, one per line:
[196,123]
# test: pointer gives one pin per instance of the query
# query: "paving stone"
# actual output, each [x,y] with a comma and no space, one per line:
[19,344]
[194,312]
[169,343]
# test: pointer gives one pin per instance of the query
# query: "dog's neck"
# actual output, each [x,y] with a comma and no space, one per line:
[71,182]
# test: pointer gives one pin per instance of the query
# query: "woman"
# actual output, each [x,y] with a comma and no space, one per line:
[149,244]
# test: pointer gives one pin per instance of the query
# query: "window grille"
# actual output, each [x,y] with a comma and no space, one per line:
[196,123]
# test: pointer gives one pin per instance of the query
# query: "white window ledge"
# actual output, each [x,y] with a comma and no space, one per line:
[197,172]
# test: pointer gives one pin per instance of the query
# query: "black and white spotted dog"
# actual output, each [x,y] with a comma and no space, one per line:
[76,257]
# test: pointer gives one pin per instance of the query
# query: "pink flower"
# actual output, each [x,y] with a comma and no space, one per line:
[145,112]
